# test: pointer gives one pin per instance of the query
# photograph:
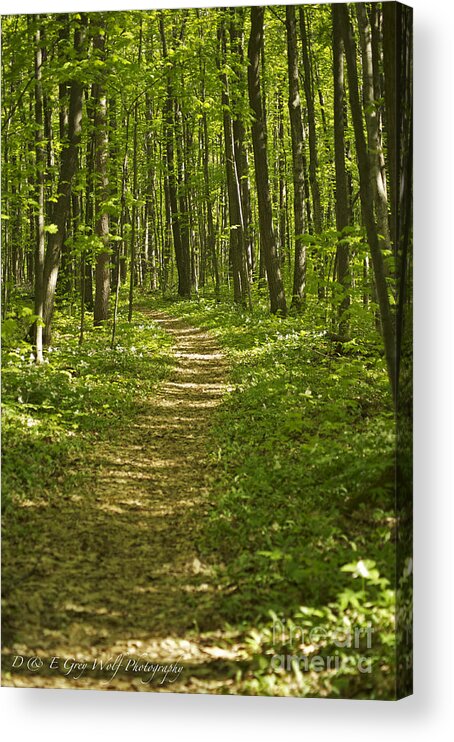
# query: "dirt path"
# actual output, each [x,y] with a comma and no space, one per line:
[117,570]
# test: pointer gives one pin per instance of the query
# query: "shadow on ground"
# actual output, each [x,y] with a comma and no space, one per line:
[111,568]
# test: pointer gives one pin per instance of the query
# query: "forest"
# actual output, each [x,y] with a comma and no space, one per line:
[206,348]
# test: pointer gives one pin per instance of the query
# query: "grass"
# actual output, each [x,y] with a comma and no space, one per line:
[304,446]
[54,412]
[301,527]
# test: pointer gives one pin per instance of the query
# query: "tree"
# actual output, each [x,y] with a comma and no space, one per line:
[102,292]
[267,237]
[40,177]
[135,195]
[68,167]
[237,243]
[343,216]
[296,126]
[368,175]
[180,245]
[309,92]
[140,140]
[371,112]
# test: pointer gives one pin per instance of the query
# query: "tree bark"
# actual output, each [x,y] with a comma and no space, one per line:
[102,274]
[182,192]
[367,174]
[68,167]
[390,92]
[297,135]
[40,175]
[239,140]
[313,154]
[235,206]
[274,278]
[343,216]
[181,256]
[135,195]
[372,124]
[211,239]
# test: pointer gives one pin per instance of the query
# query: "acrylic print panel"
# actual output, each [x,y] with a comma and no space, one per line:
[207,387]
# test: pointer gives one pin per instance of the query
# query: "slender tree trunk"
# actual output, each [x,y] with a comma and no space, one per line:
[239,146]
[282,176]
[390,91]
[40,175]
[135,194]
[132,255]
[376,24]
[372,123]
[398,63]
[367,174]
[275,284]
[48,133]
[102,291]
[235,207]
[313,154]
[166,245]
[343,216]
[182,195]
[150,213]
[89,220]
[63,39]
[68,167]
[209,208]
[182,259]
[296,128]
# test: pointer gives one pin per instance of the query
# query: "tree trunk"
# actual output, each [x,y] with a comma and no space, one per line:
[319,261]
[282,176]
[40,175]
[135,195]
[397,57]
[151,244]
[239,142]
[235,206]
[182,259]
[343,216]
[102,274]
[275,284]
[367,174]
[183,210]
[209,205]
[313,155]
[390,91]
[68,167]
[296,128]
[372,124]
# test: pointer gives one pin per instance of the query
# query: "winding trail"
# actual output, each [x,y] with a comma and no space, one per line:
[117,568]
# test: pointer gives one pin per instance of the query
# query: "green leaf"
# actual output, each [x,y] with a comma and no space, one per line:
[51,228]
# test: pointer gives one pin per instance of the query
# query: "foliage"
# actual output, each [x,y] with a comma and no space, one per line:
[304,444]
[157,186]
[52,413]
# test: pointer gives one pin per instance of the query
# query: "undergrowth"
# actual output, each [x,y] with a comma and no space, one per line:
[54,412]
[302,521]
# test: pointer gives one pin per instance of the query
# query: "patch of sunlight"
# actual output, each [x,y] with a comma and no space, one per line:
[78,608]
[202,588]
[177,423]
[180,401]
[202,386]
[198,356]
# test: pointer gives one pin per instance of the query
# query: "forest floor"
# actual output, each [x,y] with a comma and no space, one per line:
[118,567]
[201,508]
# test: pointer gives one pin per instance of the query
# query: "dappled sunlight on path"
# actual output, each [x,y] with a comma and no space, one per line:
[112,567]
